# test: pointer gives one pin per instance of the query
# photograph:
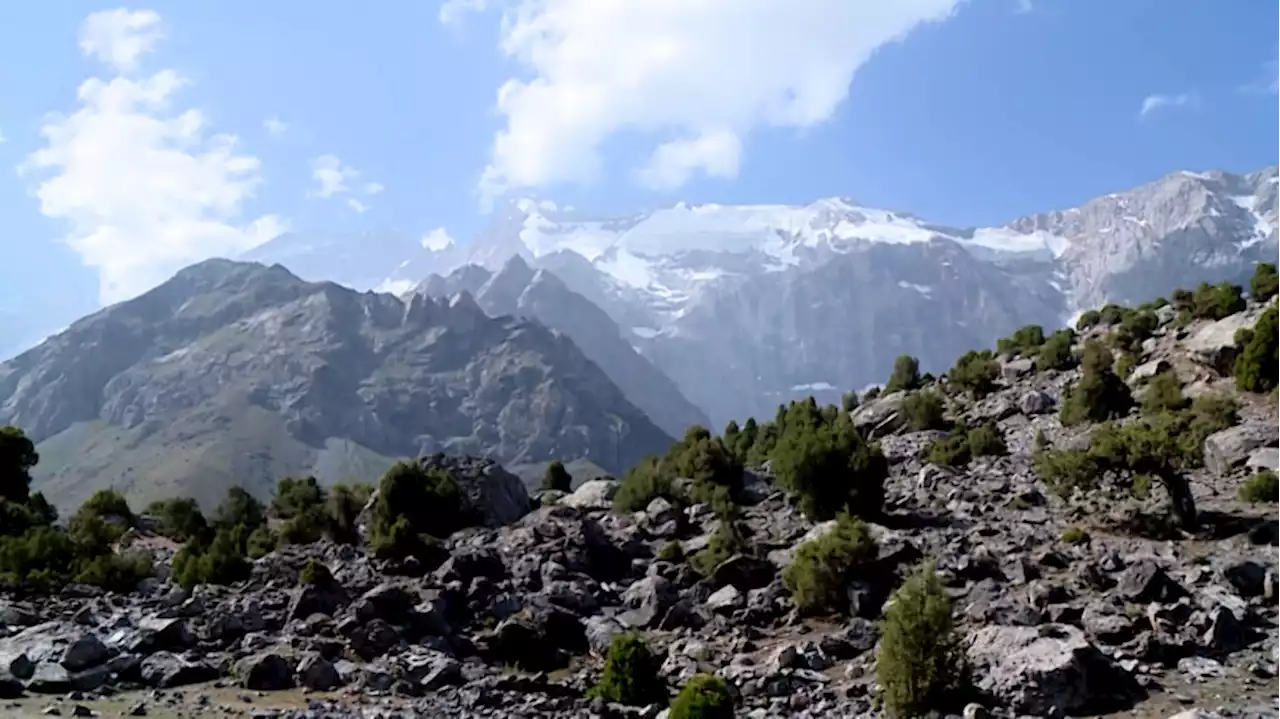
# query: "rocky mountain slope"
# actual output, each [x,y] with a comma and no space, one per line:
[519,290]
[723,299]
[1066,603]
[242,373]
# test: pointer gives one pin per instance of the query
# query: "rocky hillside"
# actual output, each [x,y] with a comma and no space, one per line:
[748,306]
[1013,516]
[237,373]
[519,290]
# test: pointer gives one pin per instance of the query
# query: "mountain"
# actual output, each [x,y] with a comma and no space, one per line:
[235,372]
[518,289]
[747,306]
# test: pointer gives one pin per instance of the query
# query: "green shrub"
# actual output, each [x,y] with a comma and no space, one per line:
[1055,353]
[1163,394]
[849,401]
[704,696]
[1088,318]
[1024,342]
[1113,314]
[1099,394]
[316,573]
[179,518]
[923,410]
[1075,535]
[1140,488]
[219,561]
[671,552]
[108,503]
[714,467]
[986,441]
[1256,366]
[1261,488]
[1214,302]
[641,485]
[919,663]
[1133,330]
[723,544]
[830,468]
[118,573]
[965,443]
[239,509]
[906,375]
[429,501]
[630,674]
[17,457]
[296,496]
[346,501]
[975,372]
[557,478]
[40,557]
[1065,470]
[1264,284]
[822,567]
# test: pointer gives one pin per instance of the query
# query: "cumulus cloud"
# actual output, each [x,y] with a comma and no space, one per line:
[1155,103]
[699,75]
[119,37]
[334,179]
[437,239]
[144,188]
[275,126]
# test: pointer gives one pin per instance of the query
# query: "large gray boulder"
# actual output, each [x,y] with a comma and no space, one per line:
[493,495]
[881,416]
[592,494]
[1214,345]
[1043,671]
[1231,447]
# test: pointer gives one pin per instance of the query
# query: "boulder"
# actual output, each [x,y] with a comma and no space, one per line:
[647,601]
[1035,402]
[594,494]
[493,495]
[881,416]
[1264,458]
[1044,671]
[165,670]
[1229,448]
[1014,369]
[1214,345]
[265,672]
[316,672]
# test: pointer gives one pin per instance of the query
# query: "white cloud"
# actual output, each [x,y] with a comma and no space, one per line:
[1023,7]
[144,189]
[452,11]
[1154,103]
[275,126]
[119,37]
[334,179]
[702,74]
[437,239]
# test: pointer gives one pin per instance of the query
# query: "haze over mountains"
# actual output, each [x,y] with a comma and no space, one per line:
[745,307]
[556,335]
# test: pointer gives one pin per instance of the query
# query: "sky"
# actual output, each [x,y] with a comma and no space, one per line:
[140,139]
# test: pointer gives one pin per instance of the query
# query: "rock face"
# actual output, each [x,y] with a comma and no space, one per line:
[736,303]
[240,373]
[519,290]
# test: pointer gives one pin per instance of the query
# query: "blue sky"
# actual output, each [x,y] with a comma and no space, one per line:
[964,112]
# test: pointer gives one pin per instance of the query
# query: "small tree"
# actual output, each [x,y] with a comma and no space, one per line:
[906,374]
[704,696]
[831,468]
[1099,394]
[919,664]
[1264,284]
[556,477]
[822,567]
[924,410]
[17,457]
[1163,394]
[180,518]
[976,372]
[1256,366]
[1261,488]
[849,401]
[630,674]
[1055,353]
[1024,342]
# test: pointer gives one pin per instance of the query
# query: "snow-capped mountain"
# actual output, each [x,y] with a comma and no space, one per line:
[746,306]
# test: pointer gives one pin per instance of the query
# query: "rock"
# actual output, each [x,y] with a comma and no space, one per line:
[1248,577]
[389,602]
[881,416]
[1147,370]
[1144,581]
[594,494]
[1264,458]
[16,664]
[1051,669]
[316,672]
[647,601]
[600,631]
[1035,402]
[265,672]
[744,572]
[165,671]
[1229,448]
[1214,345]
[10,688]
[308,599]
[465,565]
[373,638]
[84,652]
[1014,369]
[493,495]
[441,671]
[725,600]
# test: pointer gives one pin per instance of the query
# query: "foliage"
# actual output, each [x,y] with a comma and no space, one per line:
[1134,329]
[1088,319]
[1261,488]
[671,552]
[218,561]
[1112,314]
[315,572]
[1163,394]
[1264,284]
[1055,353]
[179,518]
[1075,535]
[556,477]
[849,401]
[630,674]
[1256,366]
[1099,394]
[641,485]
[822,567]
[1024,342]
[413,501]
[1209,302]
[906,375]
[704,696]
[115,572]
[17,457]
[830,468]
[966,443]
[239,508]
[344,506]
[713,465]
[919,663]
[295,497]
[723,544]
[40,557]
[923,410]
[976,372]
